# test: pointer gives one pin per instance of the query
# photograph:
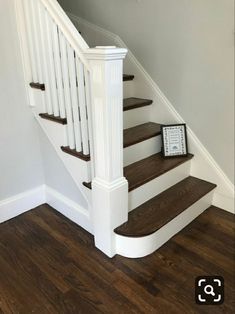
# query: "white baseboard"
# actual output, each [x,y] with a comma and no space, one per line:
[224,202]
[204,165]
[68,208]
[21,203]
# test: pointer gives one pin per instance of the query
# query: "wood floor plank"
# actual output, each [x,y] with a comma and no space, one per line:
[157,302]
[100,288]
[210,240]
[21,295]
[39,246]
[75,303]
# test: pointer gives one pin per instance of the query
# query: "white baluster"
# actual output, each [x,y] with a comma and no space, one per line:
[50,64]
[42,34]
[21,23]
[74,99]
[68,105]
[39,49]
[28,17]
[109,187]
[35,32]
[89,113]
[82,106]
[57,58]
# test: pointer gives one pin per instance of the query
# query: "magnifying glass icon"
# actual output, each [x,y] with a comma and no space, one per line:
[209,290]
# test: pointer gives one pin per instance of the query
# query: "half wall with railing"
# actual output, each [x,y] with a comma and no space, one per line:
[82,89]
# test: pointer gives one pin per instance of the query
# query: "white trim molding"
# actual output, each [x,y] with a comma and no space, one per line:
[204,165]
[21,203]
[68,208]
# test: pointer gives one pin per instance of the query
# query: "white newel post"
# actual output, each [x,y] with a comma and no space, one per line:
[109,187]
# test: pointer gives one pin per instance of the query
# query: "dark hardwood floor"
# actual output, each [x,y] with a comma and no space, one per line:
[50,265]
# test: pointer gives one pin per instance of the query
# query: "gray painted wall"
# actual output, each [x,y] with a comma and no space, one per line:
[27,159]
[187,46]
[20,156]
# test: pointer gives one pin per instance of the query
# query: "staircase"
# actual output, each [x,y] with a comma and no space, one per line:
[136,199]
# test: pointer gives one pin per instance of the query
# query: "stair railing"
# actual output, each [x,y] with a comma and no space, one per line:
[83,86]
[56,61]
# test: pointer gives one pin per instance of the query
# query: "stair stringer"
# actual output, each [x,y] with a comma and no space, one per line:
[77,168]
[204,165]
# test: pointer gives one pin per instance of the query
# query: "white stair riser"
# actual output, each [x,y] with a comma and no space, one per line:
[128,89]
[142,150]
[135,117]
[158,185]
[140,247]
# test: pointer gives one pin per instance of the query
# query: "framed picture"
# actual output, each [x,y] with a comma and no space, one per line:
[174,140]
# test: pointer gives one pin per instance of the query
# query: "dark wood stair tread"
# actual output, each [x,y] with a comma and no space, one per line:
[150,168]
[133,103]
[155,213]
[73,152]
[128,77]
[128,104]
[131,136]
[141,133]
[53,118]
[147,169]
[136,135]
[87,185]
[37,86]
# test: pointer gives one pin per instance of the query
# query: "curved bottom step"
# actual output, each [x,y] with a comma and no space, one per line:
[139,247]
[155,222]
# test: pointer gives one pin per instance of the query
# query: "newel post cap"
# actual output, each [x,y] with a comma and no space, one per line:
[105,53]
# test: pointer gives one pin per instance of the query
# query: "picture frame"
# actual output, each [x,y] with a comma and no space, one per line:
[174,140]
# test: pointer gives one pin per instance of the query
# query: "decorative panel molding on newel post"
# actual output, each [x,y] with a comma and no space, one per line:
[109,187]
